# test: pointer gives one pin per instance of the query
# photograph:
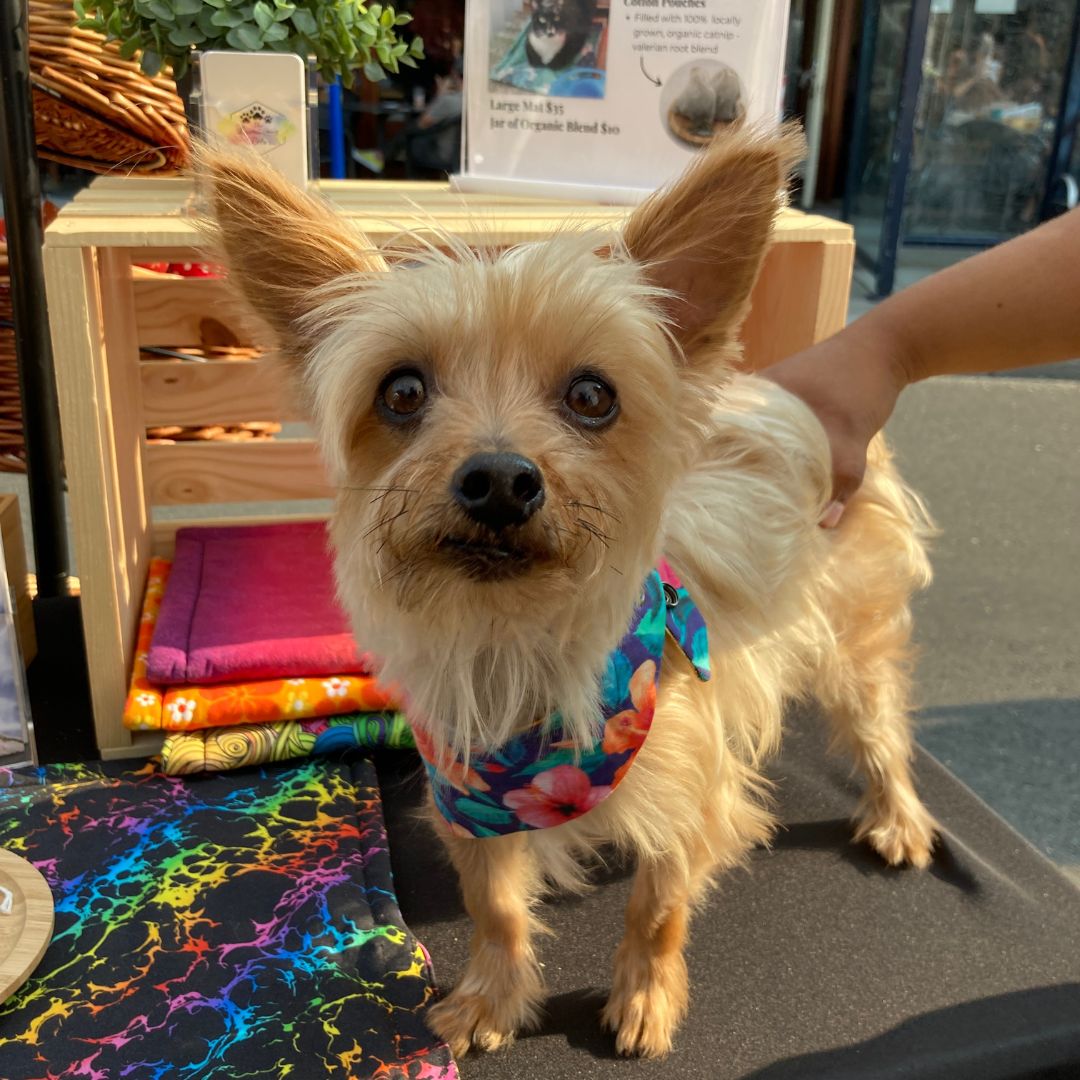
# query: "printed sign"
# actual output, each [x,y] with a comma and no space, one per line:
[259,100]
[608,99]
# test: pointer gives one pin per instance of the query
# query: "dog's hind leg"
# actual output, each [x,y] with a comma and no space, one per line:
[501,989]
[863,686]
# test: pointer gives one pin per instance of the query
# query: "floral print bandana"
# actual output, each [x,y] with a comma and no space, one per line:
[538,780]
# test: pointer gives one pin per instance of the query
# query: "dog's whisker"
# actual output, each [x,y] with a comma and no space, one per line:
[592,530]
[385,522]
[599,509]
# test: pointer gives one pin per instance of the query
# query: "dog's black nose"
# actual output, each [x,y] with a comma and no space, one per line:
[498,490]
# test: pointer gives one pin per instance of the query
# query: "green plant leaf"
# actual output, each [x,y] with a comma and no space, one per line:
[276,32]
[386,19]
[408,61]
[374,11]
[205,22]
[185,37]
[79,8]
[282,12]
[305,22]
[129,48]
[162,12]
[150,62]
[244,39]
[215,3]
[416,48]
[373,71]
[402,19]
[264,15]
[227,17]
[187,7]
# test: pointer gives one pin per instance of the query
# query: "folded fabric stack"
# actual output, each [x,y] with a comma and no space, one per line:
[244,656]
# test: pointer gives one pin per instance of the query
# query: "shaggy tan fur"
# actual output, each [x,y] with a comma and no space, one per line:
[725,474]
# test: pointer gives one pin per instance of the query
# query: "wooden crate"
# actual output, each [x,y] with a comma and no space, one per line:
[102,310]
[19,586]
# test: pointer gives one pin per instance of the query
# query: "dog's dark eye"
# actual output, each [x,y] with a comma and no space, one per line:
[591,401]
[402,395]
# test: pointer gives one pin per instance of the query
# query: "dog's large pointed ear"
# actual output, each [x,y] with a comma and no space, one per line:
[278,244]
[703,238]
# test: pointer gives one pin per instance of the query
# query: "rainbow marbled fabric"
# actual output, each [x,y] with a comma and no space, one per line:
[241,925]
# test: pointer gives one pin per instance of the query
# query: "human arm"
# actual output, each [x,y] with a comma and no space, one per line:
[1015,305]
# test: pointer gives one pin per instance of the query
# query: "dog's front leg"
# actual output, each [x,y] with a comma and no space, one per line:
[501,990]
[649,992]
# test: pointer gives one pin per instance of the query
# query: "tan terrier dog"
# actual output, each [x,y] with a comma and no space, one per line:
[587,551]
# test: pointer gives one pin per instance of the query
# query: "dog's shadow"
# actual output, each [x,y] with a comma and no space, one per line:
[834,835]
[575,1015]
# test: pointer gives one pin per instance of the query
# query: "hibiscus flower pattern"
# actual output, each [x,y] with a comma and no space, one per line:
[539,780]
[626,730]
[555,796]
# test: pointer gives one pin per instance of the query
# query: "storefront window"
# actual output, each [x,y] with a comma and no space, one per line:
[985,122]
[992,80]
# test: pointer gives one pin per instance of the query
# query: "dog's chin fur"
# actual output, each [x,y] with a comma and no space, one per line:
[725,475]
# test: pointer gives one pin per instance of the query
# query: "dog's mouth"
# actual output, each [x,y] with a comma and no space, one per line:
[494,559]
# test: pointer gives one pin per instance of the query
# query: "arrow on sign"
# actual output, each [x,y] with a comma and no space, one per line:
[646,74]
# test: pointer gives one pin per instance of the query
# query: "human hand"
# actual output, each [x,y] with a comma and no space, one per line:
[851,382]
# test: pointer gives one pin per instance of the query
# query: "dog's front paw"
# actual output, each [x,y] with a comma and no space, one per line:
[645,1008]
[465,1020]
[901,836]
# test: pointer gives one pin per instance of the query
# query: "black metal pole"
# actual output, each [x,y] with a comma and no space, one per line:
[902,145]
[1065,130]
[863,82]
[33,347]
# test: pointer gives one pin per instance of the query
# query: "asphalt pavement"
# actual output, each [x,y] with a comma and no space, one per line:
[998,682]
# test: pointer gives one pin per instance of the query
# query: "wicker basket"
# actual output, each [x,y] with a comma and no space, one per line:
[12,446]
[95,110]
[12,451]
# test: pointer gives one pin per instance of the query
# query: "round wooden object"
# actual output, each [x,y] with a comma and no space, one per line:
[25,933]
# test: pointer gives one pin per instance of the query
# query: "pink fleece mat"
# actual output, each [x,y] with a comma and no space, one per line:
[251,602]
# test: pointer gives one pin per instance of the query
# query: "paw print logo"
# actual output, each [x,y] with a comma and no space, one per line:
[257,125]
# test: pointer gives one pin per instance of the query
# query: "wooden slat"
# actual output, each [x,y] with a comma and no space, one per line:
[127,429]
[17,578]
[800,298]
[137,216]
[218,472]
[164,532]
[82,383]
[215,392]
[169,310]
[136,744]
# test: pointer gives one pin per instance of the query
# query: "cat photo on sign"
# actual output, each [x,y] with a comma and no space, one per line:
[553,47]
